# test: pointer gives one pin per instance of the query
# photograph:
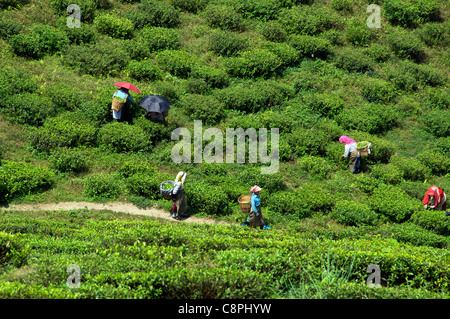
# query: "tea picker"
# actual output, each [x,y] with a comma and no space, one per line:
[252,204]
[120,99]
[176,194]
[435,199]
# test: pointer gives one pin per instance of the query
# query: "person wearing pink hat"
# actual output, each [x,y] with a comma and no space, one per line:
[254,218]
[351,151]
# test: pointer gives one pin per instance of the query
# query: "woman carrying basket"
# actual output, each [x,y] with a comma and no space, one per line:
[119,108]
[179,196]
[351,151]
[254,218]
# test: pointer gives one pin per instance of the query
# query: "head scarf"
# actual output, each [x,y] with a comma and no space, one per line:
[436,193]
[255,189]
[346,140]
[180,177]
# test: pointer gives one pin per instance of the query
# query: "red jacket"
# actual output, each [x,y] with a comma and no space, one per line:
[436,192]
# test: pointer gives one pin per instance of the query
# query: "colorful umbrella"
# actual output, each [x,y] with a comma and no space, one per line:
[128,86]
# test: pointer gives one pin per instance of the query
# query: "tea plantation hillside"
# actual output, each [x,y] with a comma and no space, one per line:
[375,71]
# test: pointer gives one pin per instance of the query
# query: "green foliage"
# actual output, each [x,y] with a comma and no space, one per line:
[87,34]
[114,25]
[154,13]
[26,45]
[273,31]
[406,45]
[101,58]
[377,90]
[193,6]
[326,104]
[146,183]
[99,185]
[437,162]
[411,13]
[438,98]
[393,203]
[224,17]
[253,64]
[152,39]
[214,78]
[314,198]
[316,166]
[437,122]
[399,75]
[12,250]
[351,213]
[434,34]
[352,59]
[357,33]
[310,46]
[262,10]
[28,108]
[436,221]
[269,182]
[6,4]
[87,8]
[411,168]
[122,137]
[65,130]
[144,70]
[226,43]
[378,52]
[64,96]
[9,27]
[202,107]
[307,20]
[22,178]
[68,160]
[206,198]
[342,5]
[371,118]
[285,52]
[14,80]
[387,173]
[176,62]
[253,97]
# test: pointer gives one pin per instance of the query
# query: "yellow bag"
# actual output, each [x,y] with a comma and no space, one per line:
[118,103]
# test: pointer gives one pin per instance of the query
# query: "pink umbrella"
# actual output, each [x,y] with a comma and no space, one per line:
[128,86]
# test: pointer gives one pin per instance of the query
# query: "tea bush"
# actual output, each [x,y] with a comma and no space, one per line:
[285,52]
[269,182]
[438,163]
[370,118]
[377,90]
[436,221]
[438,98]
[122,137]
[327,104]
[206,198]
[214,78]
[28,108]
[14,80]
[378,52]
[352,213]
[102,58]
[5,4]
[176,62]
[224,17]
[144,70]
[287,203]
[114,25]
[401,77]
[147,183]
[26,45]
[262,10]
[68,160]
[253,64]
[273,31]
[393,203]
[388,173]
[87,34]
[358,34]
[22,178]
[406,45]
[100,185]
[65,130]
[310,46]
[415,189]
[254,97]
[201,107]
[193,6]
[154,13]
[437,122]
[352,59]
[411,13]
[13,251]
[411,168]
[9,27]
[64,96]
[316,166]
[153,39]
[314,198]
[307,20]
[133,166]
[434,34]
[226,43]
[87,8]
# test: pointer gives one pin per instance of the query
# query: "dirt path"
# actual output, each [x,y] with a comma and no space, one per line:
[115,207]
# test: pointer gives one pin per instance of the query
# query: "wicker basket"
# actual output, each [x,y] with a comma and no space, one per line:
[244,203]
[364,151]
[117,105]
[166,193]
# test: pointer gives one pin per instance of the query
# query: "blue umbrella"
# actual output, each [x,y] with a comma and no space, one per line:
[154,103]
